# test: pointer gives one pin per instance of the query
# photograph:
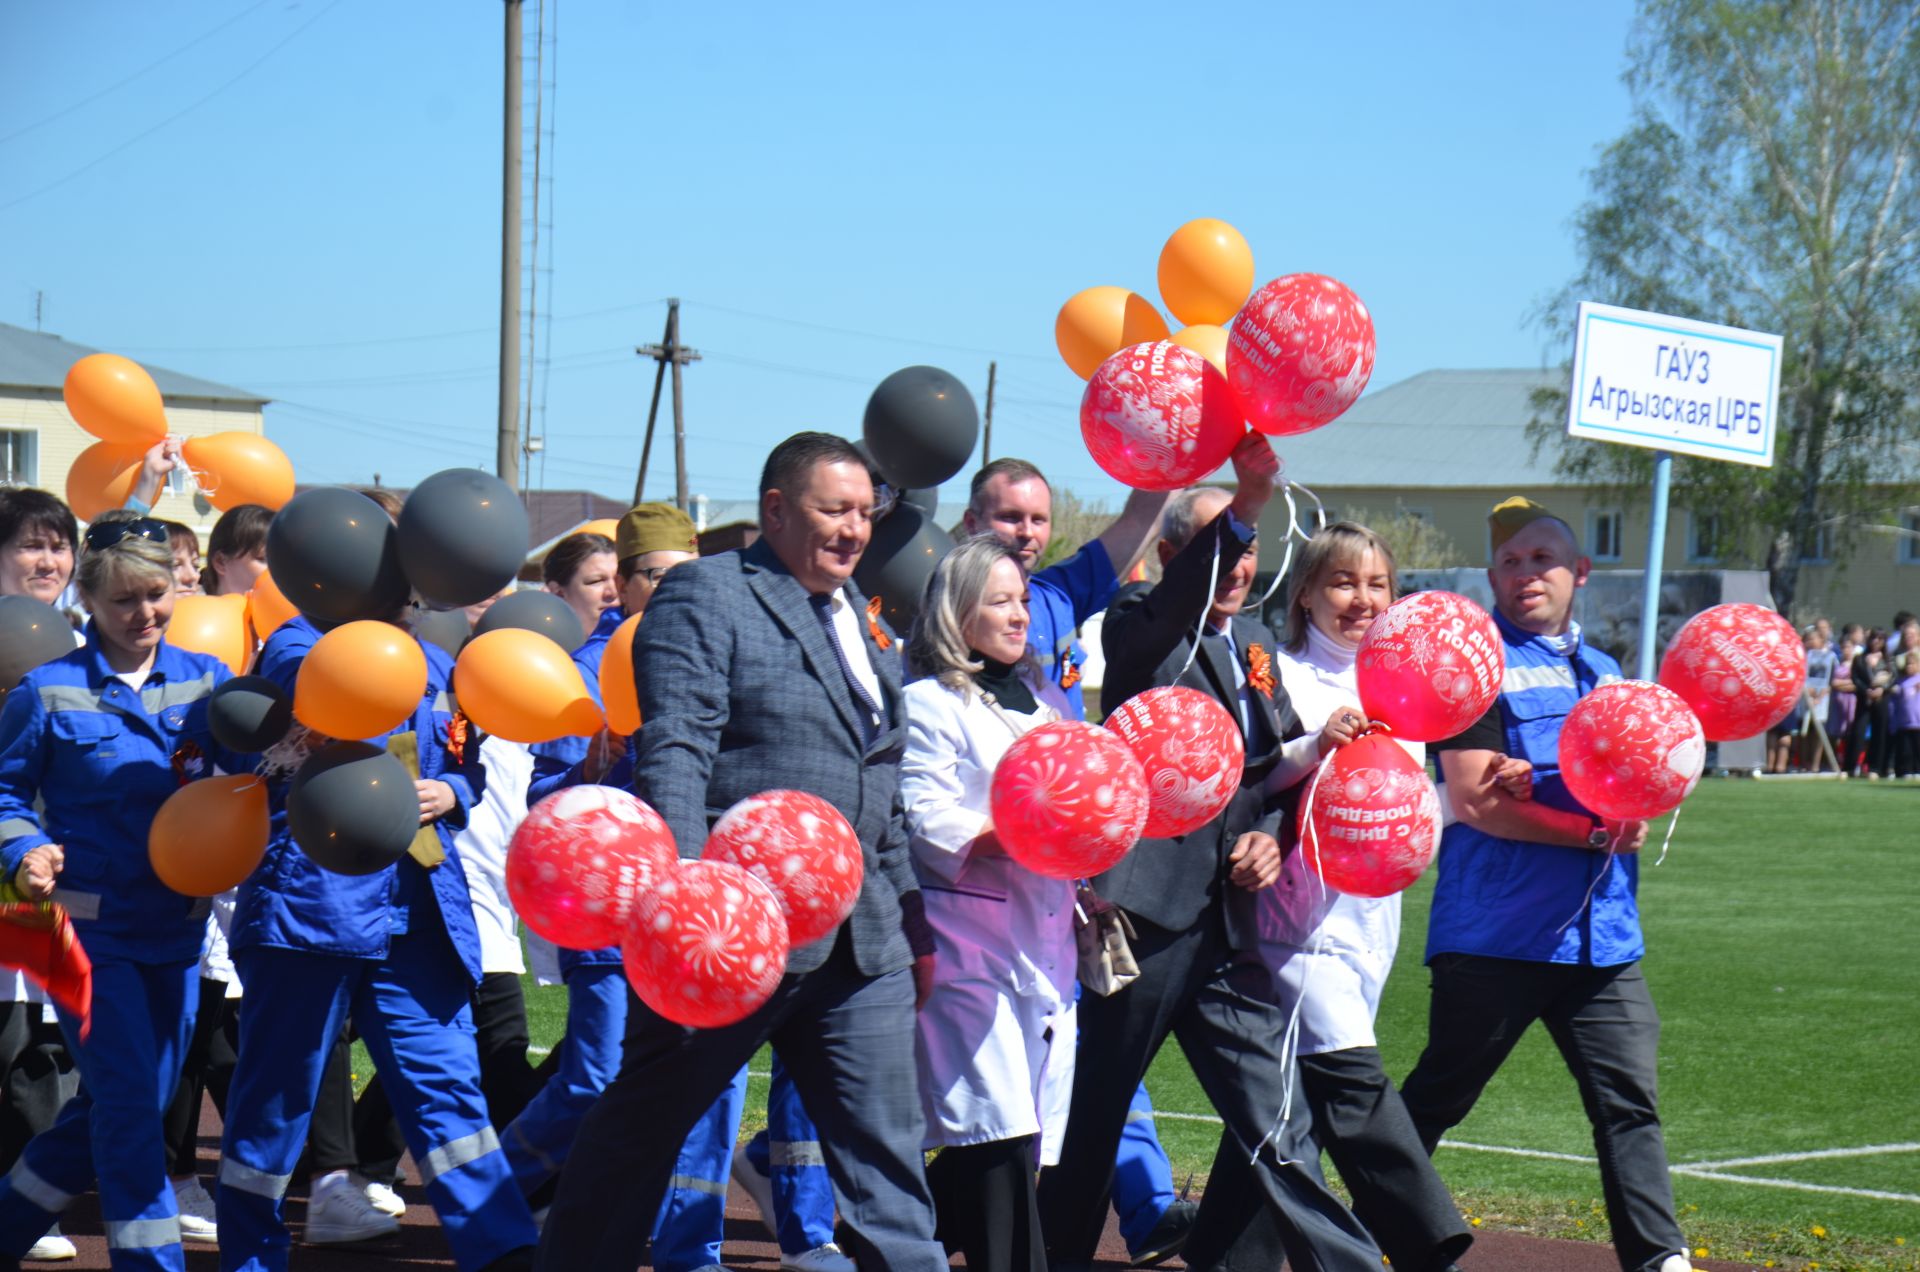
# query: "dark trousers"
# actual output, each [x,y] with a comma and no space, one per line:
[1360,1121]
[1224,1014]
[1604,1022]
[846,1038]
[984,1205]
[206,1070]
[1906,753]
[506,1079]
[36,1077]
[1869,736]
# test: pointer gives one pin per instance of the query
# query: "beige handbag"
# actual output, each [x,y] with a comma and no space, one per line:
[1101,934]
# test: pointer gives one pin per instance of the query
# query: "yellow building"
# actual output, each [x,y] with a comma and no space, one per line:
[1448,445]
[39,441]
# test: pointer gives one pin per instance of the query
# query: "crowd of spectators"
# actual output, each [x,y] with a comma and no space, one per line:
[1859,714]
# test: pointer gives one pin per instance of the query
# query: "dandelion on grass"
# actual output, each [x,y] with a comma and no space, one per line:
[1818,1231]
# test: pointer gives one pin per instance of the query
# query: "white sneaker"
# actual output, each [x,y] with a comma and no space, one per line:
[757,1186]
[382,1197]
[826,1258]
[1676,1263]
[196,1211]
[52,1248]
[338,1212]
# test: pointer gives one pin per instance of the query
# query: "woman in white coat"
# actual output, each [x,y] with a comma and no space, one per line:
[996,1036]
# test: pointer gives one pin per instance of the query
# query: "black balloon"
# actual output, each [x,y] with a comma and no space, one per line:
[921,426]
[352,808]
[31,633]
[463,536]
[926,499]
[536,611]
[249,713]
[446,628]
[335,554]
[899,560]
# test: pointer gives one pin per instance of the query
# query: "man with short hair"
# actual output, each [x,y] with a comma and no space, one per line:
[1534,912]
[651,539]
[760,669]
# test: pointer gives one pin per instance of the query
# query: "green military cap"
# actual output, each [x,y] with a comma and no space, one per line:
[654,527]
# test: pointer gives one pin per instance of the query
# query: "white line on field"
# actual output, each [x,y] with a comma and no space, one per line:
[1776,1159]
[1695,1172]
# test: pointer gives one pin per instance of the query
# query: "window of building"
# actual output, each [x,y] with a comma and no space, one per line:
[1703,538]
[1817,548]
[1604,534]
[19,457]
[1909,553]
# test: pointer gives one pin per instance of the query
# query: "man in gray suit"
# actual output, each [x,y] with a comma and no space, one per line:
[1191,902]
[759,669]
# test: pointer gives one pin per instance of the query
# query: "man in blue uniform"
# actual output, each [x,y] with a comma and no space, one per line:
[1011,500]
[1534,913]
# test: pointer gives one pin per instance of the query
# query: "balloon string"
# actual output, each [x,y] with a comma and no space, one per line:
[1668,841]
[1200,628]
[1588,899]
[1290,1037]
[1286,561]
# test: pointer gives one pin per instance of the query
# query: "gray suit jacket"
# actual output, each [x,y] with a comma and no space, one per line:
[1174,882]
[740,692]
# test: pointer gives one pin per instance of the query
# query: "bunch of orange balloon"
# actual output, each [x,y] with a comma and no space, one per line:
[117,401]
[1206,274]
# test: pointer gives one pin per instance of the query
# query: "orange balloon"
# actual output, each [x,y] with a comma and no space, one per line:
[1206,272]
[214,625]
[607,527]
[520,686]
[617,688]
[360,680]
[102,477]
[1207,340]
[116,400]
[239,468]
[210,834]
[268,606]
[1099,322]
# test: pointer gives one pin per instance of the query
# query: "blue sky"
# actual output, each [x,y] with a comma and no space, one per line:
[834,191]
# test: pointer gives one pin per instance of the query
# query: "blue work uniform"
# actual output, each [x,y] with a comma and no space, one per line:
[396,949]
[1060,599]
[100,758]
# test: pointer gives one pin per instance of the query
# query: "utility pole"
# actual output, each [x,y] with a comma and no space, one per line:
[507,452]
[668,353]
[986,433]
[39,308]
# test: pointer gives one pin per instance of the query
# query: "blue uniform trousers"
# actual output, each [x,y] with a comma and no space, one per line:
[693,1216]
[537,1142]
[788,1154]
[413,1010]
[129,1064]
[1142,1175]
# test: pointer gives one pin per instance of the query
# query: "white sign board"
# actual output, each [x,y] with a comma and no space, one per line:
[1674,384]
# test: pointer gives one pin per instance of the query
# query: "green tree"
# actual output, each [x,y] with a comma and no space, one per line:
[1768,181]
[1417,543]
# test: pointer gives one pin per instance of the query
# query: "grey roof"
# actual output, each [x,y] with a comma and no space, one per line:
[36,360]
[1438,428]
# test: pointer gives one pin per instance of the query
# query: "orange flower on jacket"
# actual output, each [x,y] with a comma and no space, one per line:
[880,637]
[1260,669]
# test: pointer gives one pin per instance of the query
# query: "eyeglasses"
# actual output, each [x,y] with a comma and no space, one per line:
[104,534]
[653,574]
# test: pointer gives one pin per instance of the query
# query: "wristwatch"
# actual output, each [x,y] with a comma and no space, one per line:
[1598,838]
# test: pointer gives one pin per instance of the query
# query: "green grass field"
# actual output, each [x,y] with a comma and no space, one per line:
[1784,957]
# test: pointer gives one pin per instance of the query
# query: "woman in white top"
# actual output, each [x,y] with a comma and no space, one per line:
[1330,952]
[996,1037]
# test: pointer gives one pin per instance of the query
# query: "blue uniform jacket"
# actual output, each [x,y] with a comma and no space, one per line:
[101,758]
[556,764]
[292,903]
[1502,898]
[1061,598]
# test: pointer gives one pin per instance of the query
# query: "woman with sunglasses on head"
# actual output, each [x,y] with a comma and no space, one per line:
[90,746]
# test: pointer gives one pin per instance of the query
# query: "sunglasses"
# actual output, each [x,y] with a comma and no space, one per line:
[104,534]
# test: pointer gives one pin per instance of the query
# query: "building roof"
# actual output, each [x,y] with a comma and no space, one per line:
[36,360]
[1438,428]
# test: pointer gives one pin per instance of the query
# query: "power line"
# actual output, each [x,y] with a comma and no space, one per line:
[376,341]
[890,338]
[142,136]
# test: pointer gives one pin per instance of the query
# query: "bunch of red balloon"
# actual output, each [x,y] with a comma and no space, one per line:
[704,942]
[1162,411]
[117,401]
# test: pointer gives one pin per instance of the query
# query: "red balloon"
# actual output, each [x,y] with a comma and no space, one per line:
[1158,416]
[1069,799]
[1373,824]
[707,945]
[1192,753]
[1740,667]
[578,860]
[1299,353]
[800,846]
[1430,665]
[1631,750]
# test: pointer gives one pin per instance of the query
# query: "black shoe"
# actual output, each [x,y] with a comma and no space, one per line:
[1169,1236]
